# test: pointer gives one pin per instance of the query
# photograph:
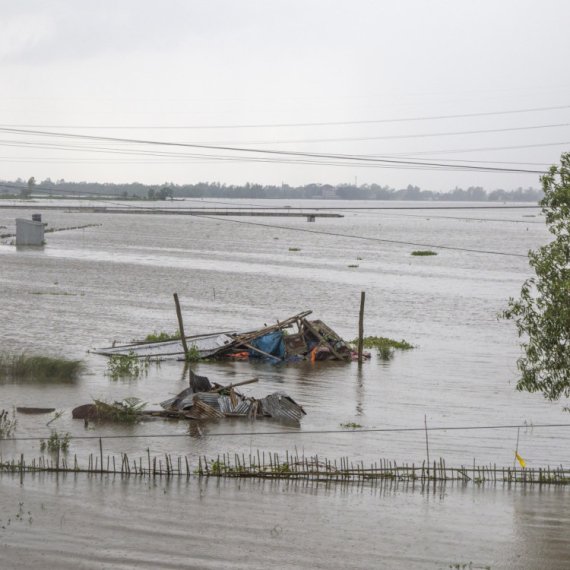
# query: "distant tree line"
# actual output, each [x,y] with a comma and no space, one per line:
[136,190]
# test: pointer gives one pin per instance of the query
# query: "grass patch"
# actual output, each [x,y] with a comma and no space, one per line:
[162,335]
[126,411]
[351,425]
[26,367]
[424,253]
[7,423]
[294,249]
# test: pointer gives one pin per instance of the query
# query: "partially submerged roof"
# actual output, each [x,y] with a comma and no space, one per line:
[313,341]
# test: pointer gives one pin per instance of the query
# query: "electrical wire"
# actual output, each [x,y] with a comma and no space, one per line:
[364,238]
[289,125]
[300,432]
[344,157]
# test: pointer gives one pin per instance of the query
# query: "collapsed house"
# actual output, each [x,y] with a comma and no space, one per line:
[203,400]
[294,339]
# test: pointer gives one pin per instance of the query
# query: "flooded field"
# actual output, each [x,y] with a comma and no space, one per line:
[88,288]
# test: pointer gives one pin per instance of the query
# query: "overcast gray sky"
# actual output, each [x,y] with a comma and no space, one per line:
[69,67]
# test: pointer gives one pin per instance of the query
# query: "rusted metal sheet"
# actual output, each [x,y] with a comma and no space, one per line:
[227,407]
[280,406]
[175,401]
[201,411]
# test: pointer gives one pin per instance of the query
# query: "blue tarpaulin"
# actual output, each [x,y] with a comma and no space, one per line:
[271,344]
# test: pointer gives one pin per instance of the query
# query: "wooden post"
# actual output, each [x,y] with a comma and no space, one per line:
[101,452]
[427,445]
[180,323]
[361,327]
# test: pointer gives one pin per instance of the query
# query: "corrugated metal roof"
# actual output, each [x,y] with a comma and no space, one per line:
[207,345]
[201,411]
[226,406]
[280,406]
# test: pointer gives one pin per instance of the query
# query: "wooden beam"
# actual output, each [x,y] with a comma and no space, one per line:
[361,327]
[180,323]
[320,337]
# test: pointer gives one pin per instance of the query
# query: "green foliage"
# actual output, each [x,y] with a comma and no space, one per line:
[424,253]
[353,265]
[294,249]
[126,411]
[542,313]
[120,366]
[25,367]
[385,352]
[381,342]
[162,335]
[193,354]
[56,441]
[7,424]
[351,425]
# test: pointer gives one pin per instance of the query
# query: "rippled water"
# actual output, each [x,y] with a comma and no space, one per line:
[119,279]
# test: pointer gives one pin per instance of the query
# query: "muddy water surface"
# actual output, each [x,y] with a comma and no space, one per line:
[87,288]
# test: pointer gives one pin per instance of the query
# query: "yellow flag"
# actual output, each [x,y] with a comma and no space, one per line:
[521,460]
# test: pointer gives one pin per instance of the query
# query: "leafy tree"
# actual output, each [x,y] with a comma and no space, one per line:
[164,193]
[27,192]
[151,194]
[542,314]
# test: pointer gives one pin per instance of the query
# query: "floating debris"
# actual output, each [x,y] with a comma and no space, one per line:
[202,400]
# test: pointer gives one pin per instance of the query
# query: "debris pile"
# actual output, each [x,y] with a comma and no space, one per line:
[206,401]
[294,339]
[202,400]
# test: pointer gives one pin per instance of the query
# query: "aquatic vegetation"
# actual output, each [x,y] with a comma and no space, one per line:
[126,411]
[353,265]
[378,342]
[25,367]
[7,424]
[424,253]
[56,441]
[120,365]
[294,249]
[162,335]
[351,425]
[385,352]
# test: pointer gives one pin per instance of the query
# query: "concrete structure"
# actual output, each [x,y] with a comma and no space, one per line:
[29,232]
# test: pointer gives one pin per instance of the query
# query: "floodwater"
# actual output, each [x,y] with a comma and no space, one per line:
[88,288]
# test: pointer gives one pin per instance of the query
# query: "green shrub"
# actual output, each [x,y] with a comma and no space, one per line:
[126,411]
[120,365]
[56,441]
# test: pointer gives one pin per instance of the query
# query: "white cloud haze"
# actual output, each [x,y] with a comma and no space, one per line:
[222,63]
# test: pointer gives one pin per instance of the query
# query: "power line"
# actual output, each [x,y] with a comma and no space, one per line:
[299,432]
[344,157]
[393,137]
[364,238]
[287,125]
